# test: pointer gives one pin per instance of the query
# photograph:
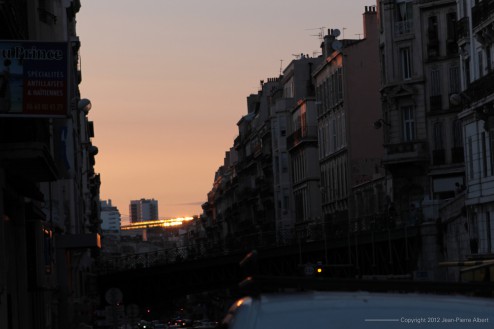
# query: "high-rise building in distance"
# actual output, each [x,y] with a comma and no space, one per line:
[143,210]
[110,216]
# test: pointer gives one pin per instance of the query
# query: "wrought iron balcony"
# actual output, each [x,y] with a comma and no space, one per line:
[482,12]
[403,27]
[462,27]
[481,88]
[438,157]
[405,152]
[304,134]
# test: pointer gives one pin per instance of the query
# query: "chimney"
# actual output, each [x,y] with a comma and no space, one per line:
[326,44]
[370,20]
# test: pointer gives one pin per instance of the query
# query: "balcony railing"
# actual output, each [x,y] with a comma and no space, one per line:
[403,27]
[304,134]
[481,88]
[405,152]
[457,155]
[462,27]
[481,12]
[438,157]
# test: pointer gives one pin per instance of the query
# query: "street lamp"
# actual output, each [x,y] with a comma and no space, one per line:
[84,105]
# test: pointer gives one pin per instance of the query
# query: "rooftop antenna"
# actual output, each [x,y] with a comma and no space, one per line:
[343,36]
[320,35]
[281,66]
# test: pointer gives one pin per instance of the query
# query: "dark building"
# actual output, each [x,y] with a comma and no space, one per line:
[49,192]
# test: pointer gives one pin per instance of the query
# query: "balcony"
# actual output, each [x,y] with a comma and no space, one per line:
[302,135]
[462,27]
[438,157]
[482,12]
[457,155]
[403,27]
[405,152]
[481,88]
[432,50]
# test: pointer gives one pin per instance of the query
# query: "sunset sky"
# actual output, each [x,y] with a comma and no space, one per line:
[168,81]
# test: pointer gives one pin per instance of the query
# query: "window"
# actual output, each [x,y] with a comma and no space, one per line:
[404,17]
[488,64]
[454,79]
[457,133]
[404,10]
[45,12]
[383,67]
[489,230]
[466,66]
[282,126]
[438,136]
[433,37]
[484,154]
[339,73]
[481,64]
[470,158]
[435,82]
[288,89]
[435,98]
[334,137]
[406,64]
[438,153]
[408,124]
[491,153]
[451,45]
[284,162]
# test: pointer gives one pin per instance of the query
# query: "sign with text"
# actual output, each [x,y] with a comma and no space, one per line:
[33,78]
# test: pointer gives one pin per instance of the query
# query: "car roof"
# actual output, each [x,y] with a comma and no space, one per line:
[316,309]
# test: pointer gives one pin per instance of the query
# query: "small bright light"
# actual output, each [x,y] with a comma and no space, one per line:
[319,270]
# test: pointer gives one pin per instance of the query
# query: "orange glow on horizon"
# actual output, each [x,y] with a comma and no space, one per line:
[157,223]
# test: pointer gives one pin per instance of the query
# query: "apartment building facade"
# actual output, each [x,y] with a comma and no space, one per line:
[304,197]
[474,228]
[422,135]
[49,191]
[347,92]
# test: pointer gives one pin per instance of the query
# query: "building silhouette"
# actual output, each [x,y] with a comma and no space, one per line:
[403,136]
[49,190]
[143,210]
[110,217]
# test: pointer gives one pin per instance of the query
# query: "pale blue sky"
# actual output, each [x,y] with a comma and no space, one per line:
[168,80]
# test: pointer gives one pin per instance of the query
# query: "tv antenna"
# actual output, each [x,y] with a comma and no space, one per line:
[281,66]
[320,35]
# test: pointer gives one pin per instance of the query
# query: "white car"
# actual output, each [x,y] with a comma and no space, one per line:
[351,310]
